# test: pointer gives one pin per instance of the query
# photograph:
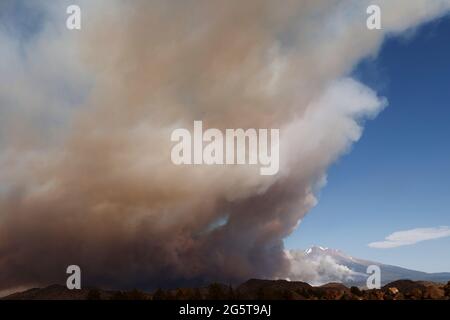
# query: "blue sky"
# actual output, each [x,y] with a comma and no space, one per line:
[397,176]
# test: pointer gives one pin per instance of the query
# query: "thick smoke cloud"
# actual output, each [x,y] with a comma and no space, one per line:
[86,117]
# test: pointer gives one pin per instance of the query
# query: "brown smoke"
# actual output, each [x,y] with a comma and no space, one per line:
[98,189]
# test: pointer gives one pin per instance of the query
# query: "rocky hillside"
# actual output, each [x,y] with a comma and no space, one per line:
[253,289]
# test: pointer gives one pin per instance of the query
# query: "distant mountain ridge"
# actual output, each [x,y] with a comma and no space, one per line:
[389,273]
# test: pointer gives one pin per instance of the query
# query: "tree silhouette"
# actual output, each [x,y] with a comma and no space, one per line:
[93,294]
[215,292]
[160,295]
[356,291]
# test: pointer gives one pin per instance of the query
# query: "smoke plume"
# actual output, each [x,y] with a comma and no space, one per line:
[86,118]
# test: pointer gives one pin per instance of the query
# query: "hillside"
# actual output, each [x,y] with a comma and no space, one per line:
[253,289]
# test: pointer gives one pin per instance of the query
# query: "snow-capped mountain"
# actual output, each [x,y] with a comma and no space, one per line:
[335,265]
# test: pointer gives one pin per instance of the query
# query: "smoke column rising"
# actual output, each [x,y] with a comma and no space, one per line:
[85,123]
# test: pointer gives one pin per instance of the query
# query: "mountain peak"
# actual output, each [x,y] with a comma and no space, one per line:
[323,256]
[315,248]
[323,251]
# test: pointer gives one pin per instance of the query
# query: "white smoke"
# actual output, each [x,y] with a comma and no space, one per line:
[318,269]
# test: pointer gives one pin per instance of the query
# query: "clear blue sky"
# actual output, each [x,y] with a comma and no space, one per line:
[397,177]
